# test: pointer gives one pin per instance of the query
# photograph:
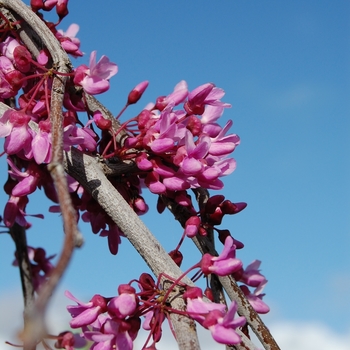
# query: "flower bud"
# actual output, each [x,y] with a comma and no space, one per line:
[209,294]
[192,293]
[147,282]
[227,207]
[101,122]
[143,118]
[192,226]
[62,8]
[194,125]
[36,5]
[137,92]
[22,58]
[177,257]
[213,202]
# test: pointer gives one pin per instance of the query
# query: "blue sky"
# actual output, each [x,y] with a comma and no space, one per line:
[285,69]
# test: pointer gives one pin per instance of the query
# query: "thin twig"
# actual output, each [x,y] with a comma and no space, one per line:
[36,329]
[18,234]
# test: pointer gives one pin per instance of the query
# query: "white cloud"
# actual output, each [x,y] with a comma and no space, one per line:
[289,335]
[309,336]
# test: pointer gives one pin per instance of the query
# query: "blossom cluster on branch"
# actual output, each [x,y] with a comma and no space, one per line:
[173,145]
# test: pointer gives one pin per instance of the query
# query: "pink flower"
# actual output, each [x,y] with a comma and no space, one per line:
[223,328]
[198,309]
[113,233]
[8,46]
[213,317]
[10,78]
[112,334]
[125,304]
[255,298]
[192,162]
[27,180]
[15,212]
[70,341]
[252,276]
[206,94]
[14,126]
[224,264]
[41,143]
[69,41]
[176,97]
[85,313]
[94,79]
[101,122]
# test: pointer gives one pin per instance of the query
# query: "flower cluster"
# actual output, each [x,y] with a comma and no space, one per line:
[113,323]
[214,317]
[174,149]
[184,148]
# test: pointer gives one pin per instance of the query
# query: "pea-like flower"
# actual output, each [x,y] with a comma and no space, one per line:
[224,264]
[95,78]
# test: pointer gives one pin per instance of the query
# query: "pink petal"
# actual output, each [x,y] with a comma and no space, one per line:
[191,166]
[175,184]
[224,335]
[85,318]
[157,187]
[25,186]
[162,145]
[40,148]
[94,85]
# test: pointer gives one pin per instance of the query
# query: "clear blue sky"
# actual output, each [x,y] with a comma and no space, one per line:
[285,69]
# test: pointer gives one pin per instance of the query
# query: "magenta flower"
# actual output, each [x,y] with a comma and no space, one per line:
[8,46]
[223,328]
[252,276]
[198,309]
[27,180]
[206,94]
[113,334]
[224,264]
[10,78]
[14,126]
[69,41]
[223,145]
[176,97]
[192,164]
[85,313]
[95,78]
[255,298]
[41,143]
[15,212]
[125,304]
